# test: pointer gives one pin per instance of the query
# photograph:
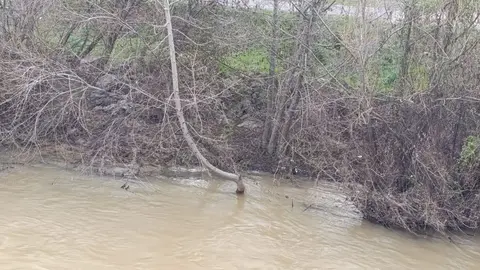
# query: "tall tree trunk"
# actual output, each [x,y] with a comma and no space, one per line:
[109,45]
[409,10]
[363,56]
[123,10]
[272,88]
[68,34]
[282,93]
[73,26]
[91,46]
[451,21]
[443,43]
[289,117]
[297,88]
[293,83]
[181,119]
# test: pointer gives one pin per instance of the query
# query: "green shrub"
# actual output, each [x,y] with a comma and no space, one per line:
[419,76]
[254,60]
[470,156]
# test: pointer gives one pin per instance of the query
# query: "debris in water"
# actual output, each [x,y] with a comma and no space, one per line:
[125,186]
[451,240]
[308,207]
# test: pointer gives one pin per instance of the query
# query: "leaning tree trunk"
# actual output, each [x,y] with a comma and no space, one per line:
[179,109]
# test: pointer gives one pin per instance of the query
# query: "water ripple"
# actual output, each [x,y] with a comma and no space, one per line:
[77,222]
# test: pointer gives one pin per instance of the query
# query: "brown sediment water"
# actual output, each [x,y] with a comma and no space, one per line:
[55,219]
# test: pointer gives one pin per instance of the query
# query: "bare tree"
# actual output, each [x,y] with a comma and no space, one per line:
[289,91]
[178,105]
[19,20]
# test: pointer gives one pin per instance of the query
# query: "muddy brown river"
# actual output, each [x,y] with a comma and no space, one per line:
[54,219]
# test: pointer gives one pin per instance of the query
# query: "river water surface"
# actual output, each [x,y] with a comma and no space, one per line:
[54,219]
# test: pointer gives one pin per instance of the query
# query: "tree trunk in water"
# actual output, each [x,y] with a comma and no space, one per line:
[179,109]
[272,89]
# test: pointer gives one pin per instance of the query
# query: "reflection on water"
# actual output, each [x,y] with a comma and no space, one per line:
[52,219]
